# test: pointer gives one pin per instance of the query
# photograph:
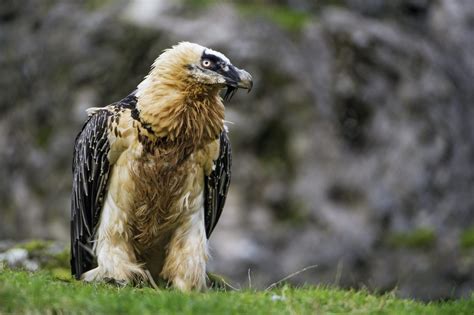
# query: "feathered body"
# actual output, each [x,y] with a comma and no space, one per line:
[151,173]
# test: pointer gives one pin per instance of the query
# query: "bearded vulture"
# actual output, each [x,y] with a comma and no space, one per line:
[151,174]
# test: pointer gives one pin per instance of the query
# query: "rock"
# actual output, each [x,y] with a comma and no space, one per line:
[35,254]
[358,131]
[14,256]
[18,258]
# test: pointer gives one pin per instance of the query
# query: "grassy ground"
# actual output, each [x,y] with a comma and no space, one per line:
[22,292]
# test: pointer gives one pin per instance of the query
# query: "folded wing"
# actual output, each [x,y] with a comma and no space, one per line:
[90,176]
[217,185]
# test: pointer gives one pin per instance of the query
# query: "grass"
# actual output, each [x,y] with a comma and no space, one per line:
[23,292]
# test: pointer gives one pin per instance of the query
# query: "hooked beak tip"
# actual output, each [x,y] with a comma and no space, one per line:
[239,79]
[245,80]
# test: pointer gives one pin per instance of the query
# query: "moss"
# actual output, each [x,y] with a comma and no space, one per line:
[35,245]
[467,238]
[62,274]
[93,5]
[290,211]
[285,17]
[200,4]
[422,238]
[59,260]
[43,136]
[48,258]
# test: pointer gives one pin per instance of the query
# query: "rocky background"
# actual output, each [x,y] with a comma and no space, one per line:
[354,152]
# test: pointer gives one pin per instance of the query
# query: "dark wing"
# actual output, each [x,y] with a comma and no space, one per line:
[217,185]
[90,174]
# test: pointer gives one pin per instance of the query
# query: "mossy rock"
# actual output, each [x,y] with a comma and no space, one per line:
[422,238]
[49,255]
[467,238]
[287,18]
[35,245]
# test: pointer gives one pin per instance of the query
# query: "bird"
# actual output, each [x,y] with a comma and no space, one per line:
[151,174]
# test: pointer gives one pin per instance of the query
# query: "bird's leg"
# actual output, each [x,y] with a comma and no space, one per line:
[115,255]
[116,263]
[185,264]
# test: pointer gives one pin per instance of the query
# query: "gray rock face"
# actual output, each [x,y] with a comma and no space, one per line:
[354,152]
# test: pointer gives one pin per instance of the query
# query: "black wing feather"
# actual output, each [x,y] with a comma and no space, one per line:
[90,170]
[90,176]
[217,185]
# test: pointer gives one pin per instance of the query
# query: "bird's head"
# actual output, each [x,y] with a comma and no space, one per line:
[188,64]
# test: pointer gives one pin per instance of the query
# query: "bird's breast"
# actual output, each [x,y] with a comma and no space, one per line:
[159,189]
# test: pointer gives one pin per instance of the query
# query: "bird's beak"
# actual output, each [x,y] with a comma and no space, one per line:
[245,80]
[236,78]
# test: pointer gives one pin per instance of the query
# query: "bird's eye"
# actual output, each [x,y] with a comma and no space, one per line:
[206,63]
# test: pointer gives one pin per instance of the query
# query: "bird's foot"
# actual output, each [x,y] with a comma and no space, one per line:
[118,283]
[119,279]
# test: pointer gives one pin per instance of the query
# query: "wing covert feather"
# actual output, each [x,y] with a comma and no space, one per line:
[217,185]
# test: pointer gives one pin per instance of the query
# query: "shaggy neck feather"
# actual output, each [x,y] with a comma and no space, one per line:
[180,109]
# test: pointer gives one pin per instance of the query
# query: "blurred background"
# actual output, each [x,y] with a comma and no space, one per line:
[354,152]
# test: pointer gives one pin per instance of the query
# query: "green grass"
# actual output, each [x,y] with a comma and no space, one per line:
[22,292]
